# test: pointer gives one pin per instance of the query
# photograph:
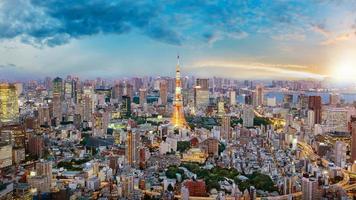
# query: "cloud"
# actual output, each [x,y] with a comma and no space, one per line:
[55,22]
[253,70]
[338,38]
[9,65]
[320,28]
[289,36]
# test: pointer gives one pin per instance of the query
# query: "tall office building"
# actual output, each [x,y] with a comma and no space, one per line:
[315,105]
[57,107]
[57,84]
[163,91]
[143,96]
[178,119]
[259,95]
[201,92]
[132,147]
[68,89]
[126,106]
[353,139]
[203,83]
[9,108]
[129,91]
[118,91]
[43,115]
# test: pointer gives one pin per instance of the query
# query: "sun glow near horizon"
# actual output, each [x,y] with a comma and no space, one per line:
[345,69]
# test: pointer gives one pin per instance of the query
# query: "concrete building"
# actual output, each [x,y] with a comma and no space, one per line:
[340,154]
[248,116]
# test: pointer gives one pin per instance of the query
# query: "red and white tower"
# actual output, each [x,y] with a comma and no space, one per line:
[178,119]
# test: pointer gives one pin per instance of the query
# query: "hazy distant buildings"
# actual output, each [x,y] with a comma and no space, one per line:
[334,99]
[271,101]
[287,100]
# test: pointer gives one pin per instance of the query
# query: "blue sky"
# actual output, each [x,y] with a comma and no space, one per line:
[259,39]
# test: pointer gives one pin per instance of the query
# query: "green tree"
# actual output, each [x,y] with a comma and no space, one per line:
[170,188]
[183,146]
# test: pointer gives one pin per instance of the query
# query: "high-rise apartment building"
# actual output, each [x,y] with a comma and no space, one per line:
[248,116]
[310,189]
[225,130]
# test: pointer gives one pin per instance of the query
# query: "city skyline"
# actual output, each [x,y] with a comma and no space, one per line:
[242,39]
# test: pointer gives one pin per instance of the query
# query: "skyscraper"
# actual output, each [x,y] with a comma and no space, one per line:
[126,106]
[57,86]
[163,91]
[340,153]
[203,83]
[178,119]
[129,91]
[132,147]
[353,139]
[315,105]
[201,92]
[57,107]
[259,95]
[9,108]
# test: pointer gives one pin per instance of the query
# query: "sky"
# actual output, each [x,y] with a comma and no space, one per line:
[243,39]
